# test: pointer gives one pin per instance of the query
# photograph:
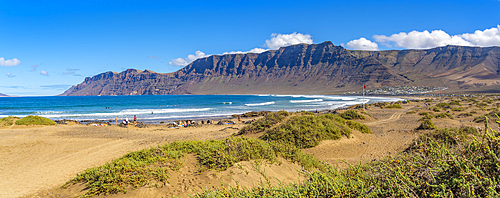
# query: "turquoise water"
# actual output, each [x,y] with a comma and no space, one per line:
[169,107]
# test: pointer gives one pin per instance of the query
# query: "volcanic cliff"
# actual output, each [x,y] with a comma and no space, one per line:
[308,69]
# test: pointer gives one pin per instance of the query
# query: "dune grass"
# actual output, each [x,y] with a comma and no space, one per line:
[394,106]
[8,121]
[352,115]
[267,121]
[308,130]
[443,163]
[151,167]
[34,120]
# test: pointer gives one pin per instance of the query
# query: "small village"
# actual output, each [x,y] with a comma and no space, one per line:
[398,90]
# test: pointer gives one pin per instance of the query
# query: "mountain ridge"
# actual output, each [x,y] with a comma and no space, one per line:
[307,69]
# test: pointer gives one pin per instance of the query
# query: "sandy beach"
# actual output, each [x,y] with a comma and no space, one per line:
[36,160]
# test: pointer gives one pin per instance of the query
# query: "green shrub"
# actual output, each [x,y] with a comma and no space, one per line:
[425,113]
[358,126]
[444,115]
[455,102]
[263,123]
[458,109]
[411,112]
[351,115]
[428,100]
[394,106]
[7,121]
[308,130]
[443,105]
[35,120]
[441,163]
[436,109]
[426,125]
[153,166]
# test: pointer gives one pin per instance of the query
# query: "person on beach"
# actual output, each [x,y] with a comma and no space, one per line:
[135,120]
[116,120]
[126,121]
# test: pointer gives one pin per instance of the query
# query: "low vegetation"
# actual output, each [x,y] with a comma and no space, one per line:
[34,120]
[351,115]
[308,130]
[444,115]
[394,106]
[151,167]
[492,116]
[358,126]
[268,121]
[443,163]
[8,121]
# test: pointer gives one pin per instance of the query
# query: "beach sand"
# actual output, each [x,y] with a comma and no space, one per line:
[36,160]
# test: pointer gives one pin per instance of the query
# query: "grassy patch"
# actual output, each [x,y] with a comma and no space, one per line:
[458,109]
[7,121]
[444,115]
[426,124]
[266,122]
[152,166]
[358,126]
[308,130]
[35,120]
[443,105]
[394,106]
[442,163]
[411,112]
[351,115]
[436,109]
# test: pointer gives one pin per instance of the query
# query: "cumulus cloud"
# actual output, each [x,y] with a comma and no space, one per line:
[362,44]
[486,38]
[422,40]
[33,68]
[283,40]
[276,41]
[10,75]
[153,57]
[11,62]
[189,59]
[44,73]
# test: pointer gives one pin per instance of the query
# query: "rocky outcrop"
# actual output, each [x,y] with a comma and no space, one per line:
[307,69]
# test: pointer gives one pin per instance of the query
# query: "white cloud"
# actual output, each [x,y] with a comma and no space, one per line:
[11,62]
[254,50]
[362,44]
[10,75]
[421,40]
[189,59]
[276,41]
[44,73]
[486,38]
[283,40]
[153,57]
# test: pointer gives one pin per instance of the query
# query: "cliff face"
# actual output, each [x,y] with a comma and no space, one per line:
[307,69]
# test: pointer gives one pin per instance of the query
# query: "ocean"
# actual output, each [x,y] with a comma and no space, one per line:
[154,108]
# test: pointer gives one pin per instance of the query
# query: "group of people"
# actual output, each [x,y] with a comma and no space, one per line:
[125,121]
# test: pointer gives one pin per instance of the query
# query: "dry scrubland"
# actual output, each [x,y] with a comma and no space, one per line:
[410,149]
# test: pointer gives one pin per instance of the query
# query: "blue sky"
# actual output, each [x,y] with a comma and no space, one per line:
[47,46]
